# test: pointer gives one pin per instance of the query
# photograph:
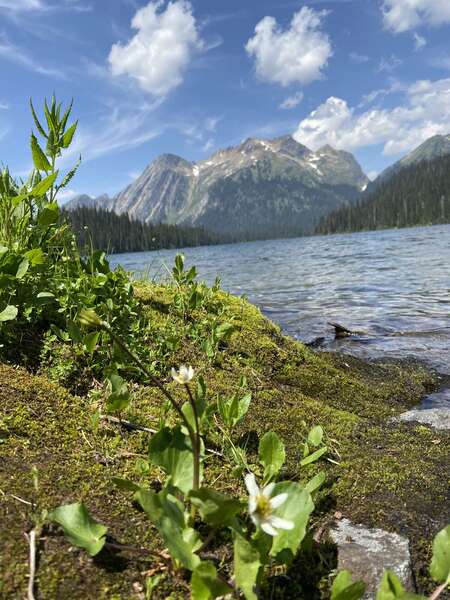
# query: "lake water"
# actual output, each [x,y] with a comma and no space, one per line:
[393,285]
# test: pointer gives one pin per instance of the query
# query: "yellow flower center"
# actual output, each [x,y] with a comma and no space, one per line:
[263,507]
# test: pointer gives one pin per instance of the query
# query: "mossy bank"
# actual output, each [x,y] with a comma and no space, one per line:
[382,474]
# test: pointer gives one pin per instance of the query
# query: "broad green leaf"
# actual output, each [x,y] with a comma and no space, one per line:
[35,256]
[171,450]
[8,314]
[316,482]
[390,587]
[22,268]
[205,584]
[440,564]
[43,186]
[297,508]
[36,120]
[49,215]
[271,454]
[314,456]
[39,159]
[214,507]
[68,136]
[247,565]
[315,436]
[119,396]
[45,298]
[91,340]
[344,589]
[233,410]
[79,527]
[125,484]
[66,116]
[166,513]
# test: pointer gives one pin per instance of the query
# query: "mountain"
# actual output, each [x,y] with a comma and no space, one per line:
[433,147]
[85,201]
[417,194]
[256,189]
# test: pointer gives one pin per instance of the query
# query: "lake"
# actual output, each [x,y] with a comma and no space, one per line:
[393,285]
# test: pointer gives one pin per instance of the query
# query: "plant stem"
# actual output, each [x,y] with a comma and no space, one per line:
[196,449]
[34,533]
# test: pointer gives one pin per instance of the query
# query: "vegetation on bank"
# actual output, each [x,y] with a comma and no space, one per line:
[105,230]
[217,478]
[416,195]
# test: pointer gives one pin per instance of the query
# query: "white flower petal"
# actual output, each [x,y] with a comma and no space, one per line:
[277,501]
[252,504]
[252,486]
[280,523]
[268,490]
[267,527]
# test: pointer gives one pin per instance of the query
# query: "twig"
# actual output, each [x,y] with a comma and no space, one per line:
[127,424]
[21,500]
[34,533]
[438,591]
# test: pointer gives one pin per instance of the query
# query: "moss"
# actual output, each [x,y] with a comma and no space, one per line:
[387,474]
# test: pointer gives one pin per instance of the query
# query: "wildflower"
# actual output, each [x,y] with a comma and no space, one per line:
[261,506]
[183,375]
[89,318]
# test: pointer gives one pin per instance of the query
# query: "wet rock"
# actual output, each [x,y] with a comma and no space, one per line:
[366,553]
[439,418]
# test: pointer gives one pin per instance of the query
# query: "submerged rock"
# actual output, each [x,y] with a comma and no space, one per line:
[367,553]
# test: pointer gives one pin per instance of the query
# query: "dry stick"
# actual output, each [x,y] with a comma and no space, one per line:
[438,591]
[127,424]
[34,533]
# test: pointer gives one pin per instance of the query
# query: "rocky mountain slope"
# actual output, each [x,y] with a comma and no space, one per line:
[261,187]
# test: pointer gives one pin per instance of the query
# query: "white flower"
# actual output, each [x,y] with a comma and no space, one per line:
[184,375]
[261,506]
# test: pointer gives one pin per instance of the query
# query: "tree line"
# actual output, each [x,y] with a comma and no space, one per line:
[416,195]
[106,230]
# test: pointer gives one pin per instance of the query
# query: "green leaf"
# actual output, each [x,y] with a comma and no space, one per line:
[316,482]
[119,396]
[233,410]
[215,508]
[8,314]
[171,450]
[39,159]
[390,587]
[166,512]
[49,215]
[271,454]
[35,256]
[43,186]
[247,565]
[68,136]
[314,456]
[70,175]
[440,564]
[91,340]
[205,584]
[45,298]
[36,120]
[125,484]
[315,436]
[344,589]
[79,527]
[22,268]
[297,508]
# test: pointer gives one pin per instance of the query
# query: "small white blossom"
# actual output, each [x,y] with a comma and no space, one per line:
[261,506]
[183,375]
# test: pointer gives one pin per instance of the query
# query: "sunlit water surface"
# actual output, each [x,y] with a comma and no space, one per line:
[392,285]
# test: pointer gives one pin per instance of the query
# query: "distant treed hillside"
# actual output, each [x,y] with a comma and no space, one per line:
[118,233]
[416,195]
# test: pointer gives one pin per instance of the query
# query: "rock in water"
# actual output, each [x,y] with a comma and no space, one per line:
[439,418]
[367,553]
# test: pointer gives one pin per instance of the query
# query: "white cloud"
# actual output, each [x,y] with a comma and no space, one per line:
[295,55]
[423,112]
[419,42]
[65,195]
[209,145]
[18,56]
[372,175]
[211,123]
[403,15]
[159,53]
[4,105]
[359,59]
[387,65]
[292,101]
[19,5]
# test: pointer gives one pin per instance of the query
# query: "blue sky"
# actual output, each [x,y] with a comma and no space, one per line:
[368,76]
